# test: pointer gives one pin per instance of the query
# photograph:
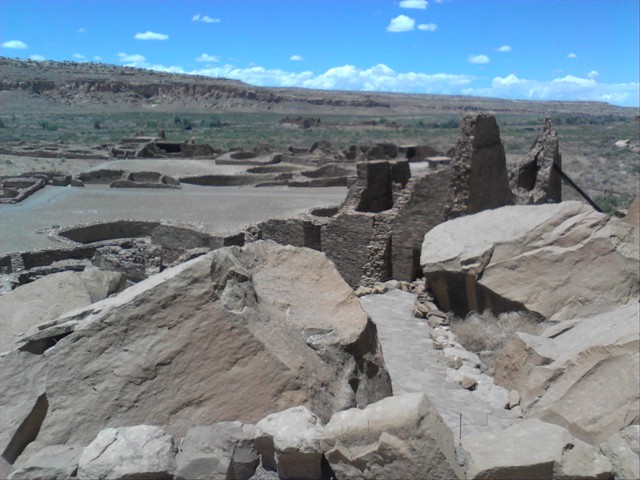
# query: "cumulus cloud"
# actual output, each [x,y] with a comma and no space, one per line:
[205,19]
[504,48]
[133,59]
[78,56]
[428,27]
[401,23]
[568,87]
[208,58]
[572,55]
[478,59]
[295,58]
[18,44]
[37,58]
[593,74]
[420,4]
[150,36]
[346,77]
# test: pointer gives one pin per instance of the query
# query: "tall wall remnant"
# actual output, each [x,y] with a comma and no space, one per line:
[479,180]
[534,180]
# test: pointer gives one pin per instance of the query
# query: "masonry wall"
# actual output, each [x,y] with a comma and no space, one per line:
[296,232]
[421,208]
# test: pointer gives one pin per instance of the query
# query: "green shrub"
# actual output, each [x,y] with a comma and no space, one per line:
[50,127]
[96,125]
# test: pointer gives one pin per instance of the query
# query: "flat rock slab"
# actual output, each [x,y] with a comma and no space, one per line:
[415,366]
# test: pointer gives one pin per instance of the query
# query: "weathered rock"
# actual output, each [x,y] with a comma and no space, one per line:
[633,214]
[585,379]
[289,442]
[5,468]
[479,161]
[398,437]
[623,452]
[532,449]
[51,296]
[275,327]
[52,462]
[23,403]
[535,179]
[223,451]
[559,260]
[142,451]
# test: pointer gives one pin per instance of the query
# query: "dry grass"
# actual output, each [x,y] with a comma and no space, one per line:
[486,335]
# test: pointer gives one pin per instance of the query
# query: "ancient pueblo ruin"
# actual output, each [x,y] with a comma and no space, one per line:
[331,340]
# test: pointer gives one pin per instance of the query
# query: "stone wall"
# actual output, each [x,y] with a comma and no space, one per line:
[479,179]
[296,232]
[108,230]
[421,208]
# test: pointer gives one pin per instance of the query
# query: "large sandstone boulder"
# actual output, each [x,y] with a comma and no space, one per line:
[23,402]
[141,451]
[51,296]
[225,450]
[584,379]
[398,437]
[479,162]
[623,452]
[532,450]
[52,462]
[559,260]
[232,335]
[289,442]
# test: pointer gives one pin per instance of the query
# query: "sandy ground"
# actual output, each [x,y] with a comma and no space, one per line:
[220,209]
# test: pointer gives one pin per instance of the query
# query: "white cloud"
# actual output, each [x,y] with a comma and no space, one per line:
[568,88]
[205,19]
[18,44]
[37,58]
[504,48]
[97,57]
[401,23]
[593,74]
[150,36]
[347,77]
[78,56]
[572,55]
[295,58]
[428,27]
[81,30]
[478,59]
[208,58]
[133,59]
[420,4]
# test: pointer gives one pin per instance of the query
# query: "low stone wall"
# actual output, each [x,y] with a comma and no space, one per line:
[225,180]
[45,257]
[296,232]
[107,231]
[101,176]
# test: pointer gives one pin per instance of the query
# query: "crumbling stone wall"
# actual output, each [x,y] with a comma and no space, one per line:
[421,207]
[296,232]
[535,180]
[108,230]
[359,244]
[479,179]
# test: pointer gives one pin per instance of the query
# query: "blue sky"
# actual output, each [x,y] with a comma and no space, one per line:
[519,49]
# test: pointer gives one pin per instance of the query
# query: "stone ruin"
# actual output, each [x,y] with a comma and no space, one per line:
[377,232]
[536,180]
[152,147]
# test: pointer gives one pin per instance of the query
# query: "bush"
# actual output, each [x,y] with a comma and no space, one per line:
[96,125]
[487,334]
[2,124]
[50,127]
